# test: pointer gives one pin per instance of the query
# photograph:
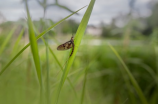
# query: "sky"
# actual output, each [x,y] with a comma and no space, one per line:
[103,11]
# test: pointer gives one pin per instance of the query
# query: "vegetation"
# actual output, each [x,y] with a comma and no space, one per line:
[119,67]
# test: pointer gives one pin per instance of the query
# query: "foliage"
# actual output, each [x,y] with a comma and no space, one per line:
[93,75]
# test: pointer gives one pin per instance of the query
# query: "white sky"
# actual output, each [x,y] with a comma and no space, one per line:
[104,10]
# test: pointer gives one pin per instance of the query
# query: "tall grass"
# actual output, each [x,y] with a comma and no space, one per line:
[134,82]
[39,36]
[104,81]
[35,53]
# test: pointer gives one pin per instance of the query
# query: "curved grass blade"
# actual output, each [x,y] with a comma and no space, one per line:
[134,82]
[40,35]
[77,41]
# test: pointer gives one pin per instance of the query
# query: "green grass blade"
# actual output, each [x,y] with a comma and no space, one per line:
[134,82]
[6,40]
[40,35]
[34,47]
[34,50]
[78,37]
[47,83]
[18,40]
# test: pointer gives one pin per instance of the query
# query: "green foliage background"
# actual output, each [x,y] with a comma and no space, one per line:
[97,72]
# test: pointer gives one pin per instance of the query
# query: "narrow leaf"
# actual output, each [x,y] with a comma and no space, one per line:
[34,50]
[34,47]
[78,37]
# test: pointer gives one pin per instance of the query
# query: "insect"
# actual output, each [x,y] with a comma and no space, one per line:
[67,45]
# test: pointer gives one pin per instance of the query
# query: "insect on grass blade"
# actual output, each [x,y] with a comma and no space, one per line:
[67,45]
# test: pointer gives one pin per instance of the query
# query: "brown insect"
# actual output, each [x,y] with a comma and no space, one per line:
[67,45]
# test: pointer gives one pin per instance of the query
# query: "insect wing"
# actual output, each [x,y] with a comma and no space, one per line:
[65,46]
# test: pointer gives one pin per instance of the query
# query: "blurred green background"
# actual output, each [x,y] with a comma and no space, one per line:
[106,82]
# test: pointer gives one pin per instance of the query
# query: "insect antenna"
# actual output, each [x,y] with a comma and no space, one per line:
[72,35]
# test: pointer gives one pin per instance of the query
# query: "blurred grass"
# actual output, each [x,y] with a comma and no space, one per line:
[105,83]
[8,38]
[84,85]
[134,82]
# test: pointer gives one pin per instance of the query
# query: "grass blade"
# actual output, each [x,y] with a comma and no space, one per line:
[84,85]
[78,37]
[18,40]
[34,49]
[6,40]
[40,35]
[47,83]
[134,82]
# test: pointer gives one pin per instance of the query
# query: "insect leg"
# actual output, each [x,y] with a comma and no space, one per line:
[72,48]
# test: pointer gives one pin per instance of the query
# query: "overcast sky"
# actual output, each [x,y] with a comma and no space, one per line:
[104,10]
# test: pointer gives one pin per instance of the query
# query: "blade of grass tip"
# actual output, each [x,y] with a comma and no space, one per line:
[60,66]
[39,36]
[134,82]
[6,40]
[34,49]
[78,37]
